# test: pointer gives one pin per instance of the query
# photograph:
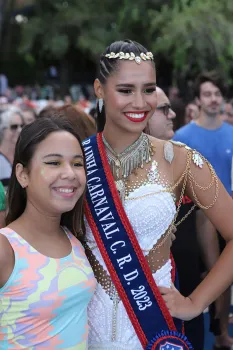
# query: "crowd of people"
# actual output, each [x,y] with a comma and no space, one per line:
[93,201]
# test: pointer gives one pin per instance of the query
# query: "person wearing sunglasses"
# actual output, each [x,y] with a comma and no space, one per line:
[11,124]
[161,123]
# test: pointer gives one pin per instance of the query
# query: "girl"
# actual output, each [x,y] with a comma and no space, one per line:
[46,281]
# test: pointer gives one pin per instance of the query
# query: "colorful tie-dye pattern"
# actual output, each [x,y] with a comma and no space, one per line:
[43,305]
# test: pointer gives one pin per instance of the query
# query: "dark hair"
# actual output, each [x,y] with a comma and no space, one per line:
[82,123]
[108,66]
[47,112]
[30,136]
[212,77]
[178,106]
[93,112]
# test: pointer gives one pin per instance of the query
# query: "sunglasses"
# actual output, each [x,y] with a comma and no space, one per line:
[165,109]
[14,127]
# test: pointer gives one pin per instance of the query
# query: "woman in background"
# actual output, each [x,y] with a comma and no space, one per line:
[11,124]
[82,123]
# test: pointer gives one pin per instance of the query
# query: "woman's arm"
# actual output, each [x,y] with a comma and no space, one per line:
[218,207]
[2,218]
[207,239]
[7,260]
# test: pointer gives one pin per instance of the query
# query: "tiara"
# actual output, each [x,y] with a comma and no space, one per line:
[131,56]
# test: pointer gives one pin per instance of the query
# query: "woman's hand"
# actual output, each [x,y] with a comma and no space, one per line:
[178,305]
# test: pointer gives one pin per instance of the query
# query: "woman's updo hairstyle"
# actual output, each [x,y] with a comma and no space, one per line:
[108,66]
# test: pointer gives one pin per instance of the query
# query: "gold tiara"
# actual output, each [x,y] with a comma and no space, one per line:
[131,56]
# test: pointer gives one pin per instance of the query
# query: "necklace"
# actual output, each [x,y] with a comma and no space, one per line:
[124,163]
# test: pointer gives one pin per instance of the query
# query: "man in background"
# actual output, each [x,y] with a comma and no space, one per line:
[213,138]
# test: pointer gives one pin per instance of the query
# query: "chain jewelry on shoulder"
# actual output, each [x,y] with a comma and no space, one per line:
[189,176]
[198,160]
[153,175]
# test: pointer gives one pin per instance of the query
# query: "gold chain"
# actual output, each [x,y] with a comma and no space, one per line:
[186,175]
[215,197]
[204,188]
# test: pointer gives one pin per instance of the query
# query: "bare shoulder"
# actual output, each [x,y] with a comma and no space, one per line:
[174,152]
[154,141]
[157,144]
[179,155]
[182,157]
[5,250]
[6,258]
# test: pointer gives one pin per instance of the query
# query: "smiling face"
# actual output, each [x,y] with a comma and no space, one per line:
[161,123]
[129,96]
[56,177]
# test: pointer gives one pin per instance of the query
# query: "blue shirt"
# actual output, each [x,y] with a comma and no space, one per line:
[215,145]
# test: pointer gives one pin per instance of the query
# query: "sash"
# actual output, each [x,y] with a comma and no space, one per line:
[128,268]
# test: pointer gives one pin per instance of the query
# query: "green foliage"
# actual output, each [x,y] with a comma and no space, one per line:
[58,26]
[193,35]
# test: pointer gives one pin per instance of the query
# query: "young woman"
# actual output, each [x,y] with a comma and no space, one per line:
[134,182]
[46,281]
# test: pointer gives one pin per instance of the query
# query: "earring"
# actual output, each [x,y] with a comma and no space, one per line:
[100,104]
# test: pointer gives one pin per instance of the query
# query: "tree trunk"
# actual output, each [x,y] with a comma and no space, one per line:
[64,76]
[6,41]
[2,17]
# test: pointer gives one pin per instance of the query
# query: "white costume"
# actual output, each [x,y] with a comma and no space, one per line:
[150,217]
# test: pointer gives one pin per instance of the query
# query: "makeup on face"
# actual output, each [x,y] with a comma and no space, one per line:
[66,184]
[57,176]
[130,95]
[58,162]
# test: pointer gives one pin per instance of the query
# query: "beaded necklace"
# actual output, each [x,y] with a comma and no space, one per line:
[132,158]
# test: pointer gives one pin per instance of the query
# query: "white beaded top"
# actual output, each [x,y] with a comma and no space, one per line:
[150,213]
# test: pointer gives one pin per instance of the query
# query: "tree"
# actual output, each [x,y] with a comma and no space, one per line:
[2,13]
[196,35]
[186,36]
[61,29]
[6,7]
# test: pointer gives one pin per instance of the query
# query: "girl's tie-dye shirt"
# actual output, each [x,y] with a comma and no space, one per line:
[43,305]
